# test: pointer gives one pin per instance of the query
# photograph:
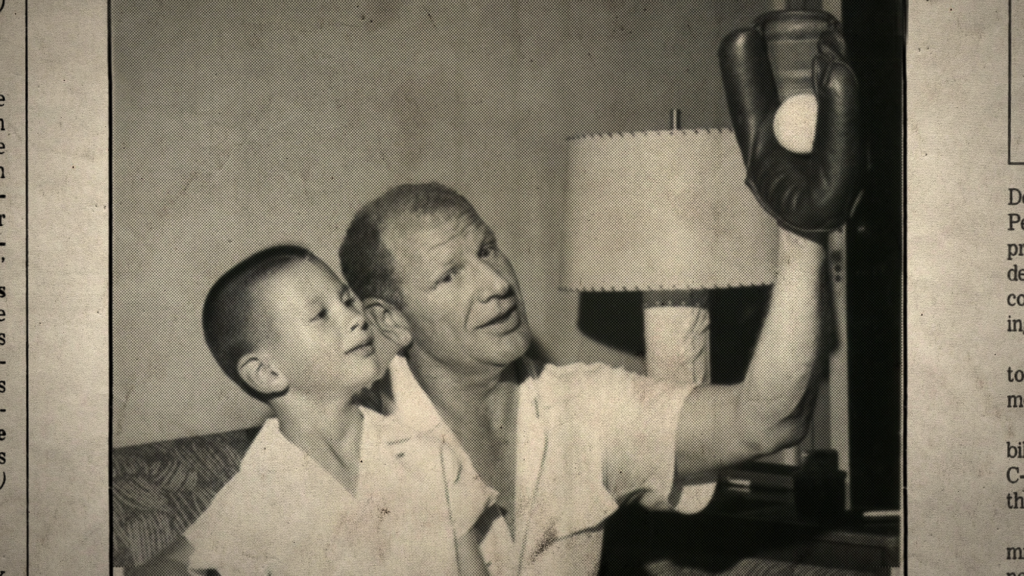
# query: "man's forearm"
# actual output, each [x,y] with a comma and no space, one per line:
[771,406]
[723,425]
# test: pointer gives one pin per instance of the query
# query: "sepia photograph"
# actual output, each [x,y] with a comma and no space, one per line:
[482,287]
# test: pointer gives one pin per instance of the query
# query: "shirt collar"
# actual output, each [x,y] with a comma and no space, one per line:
[412,404]
[381,437]
[414,407]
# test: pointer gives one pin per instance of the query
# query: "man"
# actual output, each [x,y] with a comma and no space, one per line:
[565,445]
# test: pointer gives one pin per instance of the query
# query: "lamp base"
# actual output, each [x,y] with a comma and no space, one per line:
[676,335]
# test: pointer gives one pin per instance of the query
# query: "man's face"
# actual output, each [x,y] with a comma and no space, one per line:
[312,329]
[461,295]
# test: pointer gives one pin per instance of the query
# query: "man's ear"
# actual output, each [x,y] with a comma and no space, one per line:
[388,320]
[261,375]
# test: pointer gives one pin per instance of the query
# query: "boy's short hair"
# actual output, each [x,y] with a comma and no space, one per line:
[228,321]
[365,261]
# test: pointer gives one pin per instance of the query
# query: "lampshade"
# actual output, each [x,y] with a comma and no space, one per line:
[664,210]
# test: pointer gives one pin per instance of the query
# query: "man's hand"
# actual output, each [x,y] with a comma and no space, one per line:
[805,193]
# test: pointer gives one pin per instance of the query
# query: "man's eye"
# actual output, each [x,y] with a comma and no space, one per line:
[448,277]
[321,314]
[487,250]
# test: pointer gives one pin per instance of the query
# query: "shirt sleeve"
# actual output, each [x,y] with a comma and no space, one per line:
[635,419]
[467,494]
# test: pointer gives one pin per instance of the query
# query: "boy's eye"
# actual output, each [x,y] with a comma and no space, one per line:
[347,298]
[321,314]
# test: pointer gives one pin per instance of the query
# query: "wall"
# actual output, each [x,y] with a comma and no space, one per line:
[237,125]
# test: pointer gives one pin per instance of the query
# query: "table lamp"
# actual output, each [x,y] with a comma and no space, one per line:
[667,214]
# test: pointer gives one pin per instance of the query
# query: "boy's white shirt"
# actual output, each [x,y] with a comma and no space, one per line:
[284,514]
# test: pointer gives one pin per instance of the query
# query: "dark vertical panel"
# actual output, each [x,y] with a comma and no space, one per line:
[875,35]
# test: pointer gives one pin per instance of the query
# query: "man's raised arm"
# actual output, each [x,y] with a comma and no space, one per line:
[724,425]
[809,195]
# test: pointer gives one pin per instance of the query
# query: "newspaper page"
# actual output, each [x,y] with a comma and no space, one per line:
[148,147]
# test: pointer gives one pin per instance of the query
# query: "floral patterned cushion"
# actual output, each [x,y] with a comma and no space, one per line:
[157,490]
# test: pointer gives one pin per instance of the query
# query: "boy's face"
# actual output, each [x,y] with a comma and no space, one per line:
[313,331]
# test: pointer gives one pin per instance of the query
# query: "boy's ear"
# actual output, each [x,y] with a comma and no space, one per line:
[261,375]
[388,320]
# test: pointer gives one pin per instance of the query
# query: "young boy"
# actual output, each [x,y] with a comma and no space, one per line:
[327,487]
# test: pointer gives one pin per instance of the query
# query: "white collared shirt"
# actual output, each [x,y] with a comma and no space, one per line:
[588,437]
[284,514]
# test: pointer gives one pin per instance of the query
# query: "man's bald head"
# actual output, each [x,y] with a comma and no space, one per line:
[366,261]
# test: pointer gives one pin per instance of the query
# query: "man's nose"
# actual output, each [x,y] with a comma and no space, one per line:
[491,284]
